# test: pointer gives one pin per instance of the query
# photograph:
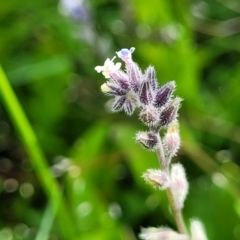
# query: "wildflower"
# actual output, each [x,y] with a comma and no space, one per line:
[108,67]
[132,89]
[126,55]
[119,87]
[157,178]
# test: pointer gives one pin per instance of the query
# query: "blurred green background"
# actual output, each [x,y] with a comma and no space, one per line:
[48,50]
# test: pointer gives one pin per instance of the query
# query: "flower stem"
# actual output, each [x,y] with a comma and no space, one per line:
[176,211]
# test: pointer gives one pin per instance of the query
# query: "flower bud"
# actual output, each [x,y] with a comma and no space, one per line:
[161,233]
[148,140]
[179,184]
[146,93]
[150,76]
[197,230]
[164,94]
[169,114]
[171,140]
[157,178]
[149,115]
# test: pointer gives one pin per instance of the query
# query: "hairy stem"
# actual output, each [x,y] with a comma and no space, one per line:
[176,211]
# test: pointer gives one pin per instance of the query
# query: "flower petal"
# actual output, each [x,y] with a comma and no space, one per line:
[99,69]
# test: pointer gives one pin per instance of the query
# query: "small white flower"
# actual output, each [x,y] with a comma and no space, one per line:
[108,67]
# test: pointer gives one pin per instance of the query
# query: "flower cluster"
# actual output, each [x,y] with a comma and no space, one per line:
[158,109]
[133,89]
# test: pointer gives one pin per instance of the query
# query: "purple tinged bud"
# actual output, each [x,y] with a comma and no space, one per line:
[171,140]
[157,178]
[170,112]
[150,76]
[149,115]
[179,184]
[164,94]
[162,233]
[135,77]
[118,104]
[148,140]
[197,230]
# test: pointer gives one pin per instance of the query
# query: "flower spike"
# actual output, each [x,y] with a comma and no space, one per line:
[158,111]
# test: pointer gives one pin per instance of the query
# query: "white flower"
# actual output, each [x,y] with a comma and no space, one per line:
[108,67]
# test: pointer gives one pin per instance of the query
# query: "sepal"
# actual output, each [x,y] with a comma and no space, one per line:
[164,94]
[118,103]
[135,77]
[170,112]
[150,76]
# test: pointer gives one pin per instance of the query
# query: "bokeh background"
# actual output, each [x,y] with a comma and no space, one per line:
[48,50]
